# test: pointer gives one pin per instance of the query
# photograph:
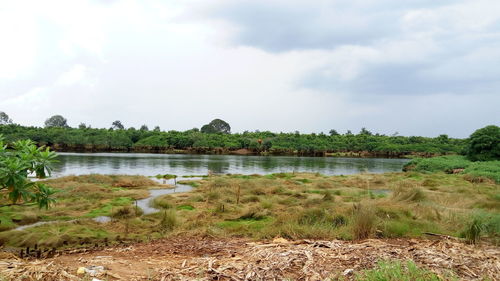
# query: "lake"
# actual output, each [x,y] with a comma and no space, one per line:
[182,164]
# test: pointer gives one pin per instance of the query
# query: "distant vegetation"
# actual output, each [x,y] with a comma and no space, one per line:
[456,164]
[484,144]
[215,137]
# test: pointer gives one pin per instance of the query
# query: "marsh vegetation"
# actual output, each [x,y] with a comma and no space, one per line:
[289,205]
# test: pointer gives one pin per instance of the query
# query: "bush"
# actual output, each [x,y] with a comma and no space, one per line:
[484,144]
[438,164]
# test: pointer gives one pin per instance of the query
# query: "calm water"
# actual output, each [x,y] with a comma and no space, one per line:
[179,164]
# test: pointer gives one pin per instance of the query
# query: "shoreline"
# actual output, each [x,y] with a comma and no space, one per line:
[246,152]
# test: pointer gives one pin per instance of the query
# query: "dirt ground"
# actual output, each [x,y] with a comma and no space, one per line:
[243,259]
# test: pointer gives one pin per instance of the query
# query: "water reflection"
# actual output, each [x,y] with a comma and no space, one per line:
[153,164]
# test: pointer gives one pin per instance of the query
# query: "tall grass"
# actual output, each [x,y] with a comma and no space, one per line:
[364,221]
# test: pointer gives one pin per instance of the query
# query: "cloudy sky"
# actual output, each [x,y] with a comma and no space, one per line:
[417,67]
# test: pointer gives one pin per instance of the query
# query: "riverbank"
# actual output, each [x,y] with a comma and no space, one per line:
[364,144]
[243,151]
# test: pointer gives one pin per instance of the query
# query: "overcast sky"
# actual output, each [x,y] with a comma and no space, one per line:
[417,67]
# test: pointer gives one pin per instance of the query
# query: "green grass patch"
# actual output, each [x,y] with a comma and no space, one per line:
[107,209]
[185,207]
[398,271]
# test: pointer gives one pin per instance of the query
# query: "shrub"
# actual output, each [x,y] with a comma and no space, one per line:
[484,144]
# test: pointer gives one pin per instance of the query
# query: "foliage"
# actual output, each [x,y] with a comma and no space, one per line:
[216,126]
[4,118]
[475,171]
[17,164]
[94,139]
[56,121]
[117,125]
[484,144]
[438,164]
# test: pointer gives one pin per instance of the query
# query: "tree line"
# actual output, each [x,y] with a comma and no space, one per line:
[216,137]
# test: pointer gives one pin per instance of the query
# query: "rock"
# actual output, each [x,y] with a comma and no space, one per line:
[91,270]
[80,271]
[348,271]
[280,240]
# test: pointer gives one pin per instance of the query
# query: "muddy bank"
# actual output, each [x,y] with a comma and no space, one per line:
[189,258]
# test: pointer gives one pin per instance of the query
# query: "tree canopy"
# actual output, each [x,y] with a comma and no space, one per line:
[117,125]
[56,121]
[216,126]
[484,144]
[4,118]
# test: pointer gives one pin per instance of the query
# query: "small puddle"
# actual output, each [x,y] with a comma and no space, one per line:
[380,191]
[145,204]
[39,223]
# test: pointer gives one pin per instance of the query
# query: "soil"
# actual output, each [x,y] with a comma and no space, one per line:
[197,258]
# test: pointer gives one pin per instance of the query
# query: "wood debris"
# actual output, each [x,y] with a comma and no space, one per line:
[240,259]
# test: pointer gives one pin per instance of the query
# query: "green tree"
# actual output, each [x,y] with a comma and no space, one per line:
[4,119]
[83,126]
[333,132]
[117,125]
[484,144]
[216,126]
[144,128]
[56,121]
[364,131]
[17,164]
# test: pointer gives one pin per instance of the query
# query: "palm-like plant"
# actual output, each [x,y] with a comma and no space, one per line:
[17,164]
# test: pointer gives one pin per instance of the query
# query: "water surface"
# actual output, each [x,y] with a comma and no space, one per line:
[181,164]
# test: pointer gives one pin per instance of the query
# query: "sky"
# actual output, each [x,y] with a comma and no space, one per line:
[413,67]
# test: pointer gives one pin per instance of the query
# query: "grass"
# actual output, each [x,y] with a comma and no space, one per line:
[294,206]
[399,271]
[473,171]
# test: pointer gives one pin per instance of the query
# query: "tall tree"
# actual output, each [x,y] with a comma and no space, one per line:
[117,125]
[216,126]
[144,128]
[484,144]
[56,121]
[364,131]
[4,118]
[333,132]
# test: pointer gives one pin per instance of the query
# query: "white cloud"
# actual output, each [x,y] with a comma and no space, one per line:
[73,76]
[283,66]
